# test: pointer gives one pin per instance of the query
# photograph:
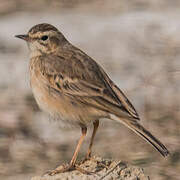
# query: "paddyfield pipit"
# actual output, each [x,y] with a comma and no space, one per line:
[71,87]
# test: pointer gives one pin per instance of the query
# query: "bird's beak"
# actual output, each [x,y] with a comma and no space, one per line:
[23,36]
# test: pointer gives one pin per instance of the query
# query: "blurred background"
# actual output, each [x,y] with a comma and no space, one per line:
[137,42]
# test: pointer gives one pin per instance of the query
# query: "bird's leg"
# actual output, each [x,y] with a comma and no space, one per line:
[88,155]
[96,125]
[72,165]
[73,160]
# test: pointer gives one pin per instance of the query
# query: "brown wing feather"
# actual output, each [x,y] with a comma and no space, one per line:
[121,97]
[81,77]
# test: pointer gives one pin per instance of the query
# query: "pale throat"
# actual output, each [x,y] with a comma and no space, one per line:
[36,50]
[35,53]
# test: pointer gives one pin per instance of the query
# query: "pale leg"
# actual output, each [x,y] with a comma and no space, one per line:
[72,165]
[96,125]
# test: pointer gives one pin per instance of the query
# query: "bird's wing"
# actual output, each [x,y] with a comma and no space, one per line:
[80,77]
[121,96]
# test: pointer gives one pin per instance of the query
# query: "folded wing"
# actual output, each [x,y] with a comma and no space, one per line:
[82,78]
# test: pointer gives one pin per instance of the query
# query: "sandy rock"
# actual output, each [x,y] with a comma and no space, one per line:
[103,169]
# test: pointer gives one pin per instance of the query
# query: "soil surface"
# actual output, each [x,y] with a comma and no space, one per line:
[100,169]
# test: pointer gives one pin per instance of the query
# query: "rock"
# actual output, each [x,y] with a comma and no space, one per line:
[103,169]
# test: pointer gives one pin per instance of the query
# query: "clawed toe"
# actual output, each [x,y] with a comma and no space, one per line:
[83,171]
[85,159]
[61,169]
[66,168]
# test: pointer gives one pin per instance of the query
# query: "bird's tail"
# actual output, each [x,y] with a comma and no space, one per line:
[142,132]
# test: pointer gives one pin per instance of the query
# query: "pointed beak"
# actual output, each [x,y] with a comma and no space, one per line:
[23,36]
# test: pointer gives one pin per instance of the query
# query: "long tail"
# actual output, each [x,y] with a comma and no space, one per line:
[142,132]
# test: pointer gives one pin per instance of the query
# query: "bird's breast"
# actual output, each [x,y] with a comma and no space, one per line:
[60,106]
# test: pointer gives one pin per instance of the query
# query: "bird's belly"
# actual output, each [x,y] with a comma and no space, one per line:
[63,109]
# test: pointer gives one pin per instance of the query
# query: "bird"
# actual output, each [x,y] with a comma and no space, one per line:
[74,89]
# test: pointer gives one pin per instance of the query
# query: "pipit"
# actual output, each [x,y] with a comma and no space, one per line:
[73,88]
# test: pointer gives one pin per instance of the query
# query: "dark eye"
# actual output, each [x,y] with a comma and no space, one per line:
[44,38]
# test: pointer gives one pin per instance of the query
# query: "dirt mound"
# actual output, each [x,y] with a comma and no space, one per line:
[103,169]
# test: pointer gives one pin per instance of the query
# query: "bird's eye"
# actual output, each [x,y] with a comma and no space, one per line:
[44,38]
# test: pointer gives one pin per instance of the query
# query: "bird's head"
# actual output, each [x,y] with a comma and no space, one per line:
[44,39]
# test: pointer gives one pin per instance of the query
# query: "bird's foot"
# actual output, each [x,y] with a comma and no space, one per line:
[94,159]
[88,157]
[66,168]
[60,169]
